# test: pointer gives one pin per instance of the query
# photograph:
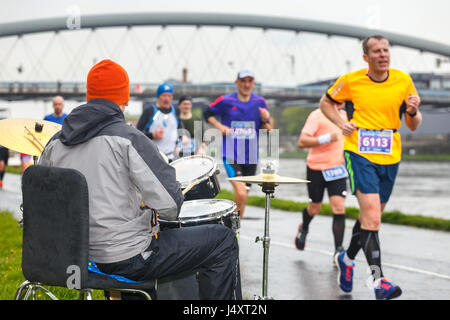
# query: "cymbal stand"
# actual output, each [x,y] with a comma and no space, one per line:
[268,189]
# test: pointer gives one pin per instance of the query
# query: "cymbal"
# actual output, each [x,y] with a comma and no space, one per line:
[27,136]
[268,179]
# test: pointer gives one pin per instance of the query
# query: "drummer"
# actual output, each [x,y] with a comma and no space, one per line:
[242,114]
[122,166]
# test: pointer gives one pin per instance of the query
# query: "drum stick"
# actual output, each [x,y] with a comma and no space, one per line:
[189,187]
[164,157]
[36,139]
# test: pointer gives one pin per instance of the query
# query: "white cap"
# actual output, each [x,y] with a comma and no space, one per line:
[245,73]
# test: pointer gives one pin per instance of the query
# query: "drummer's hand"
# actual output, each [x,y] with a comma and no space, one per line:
[264,114]
[158,133]
[348,128]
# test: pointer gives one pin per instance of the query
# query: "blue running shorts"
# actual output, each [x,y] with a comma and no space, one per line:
[369,177]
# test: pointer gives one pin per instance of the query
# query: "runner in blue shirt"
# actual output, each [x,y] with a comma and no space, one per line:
[58,115]
[242,114]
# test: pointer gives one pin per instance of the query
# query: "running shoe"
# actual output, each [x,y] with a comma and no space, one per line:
[336,253]
[300,239]
[385,290]
[345,273]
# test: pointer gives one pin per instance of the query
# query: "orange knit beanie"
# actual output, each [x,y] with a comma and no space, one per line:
[108,80]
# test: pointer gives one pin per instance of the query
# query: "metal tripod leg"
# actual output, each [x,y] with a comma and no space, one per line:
[268,190]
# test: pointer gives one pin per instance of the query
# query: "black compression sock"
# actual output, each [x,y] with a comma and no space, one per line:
[306,219]
[371,247]
[355,242]
[338,229]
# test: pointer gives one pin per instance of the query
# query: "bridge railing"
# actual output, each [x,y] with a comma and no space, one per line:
[77,90]
[149,89]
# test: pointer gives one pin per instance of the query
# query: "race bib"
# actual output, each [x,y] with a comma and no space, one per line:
[243,129]
[375,141]
[187,148]
[335,173]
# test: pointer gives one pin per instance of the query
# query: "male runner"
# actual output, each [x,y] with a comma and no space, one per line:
[242,114]
[190,146]
[325,168]
[161,122]
[58,115]
[377,98]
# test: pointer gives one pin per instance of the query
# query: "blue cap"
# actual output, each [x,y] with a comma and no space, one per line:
[165,87]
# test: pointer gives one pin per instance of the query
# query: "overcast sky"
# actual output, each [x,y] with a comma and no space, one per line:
[427,19]
[424,19]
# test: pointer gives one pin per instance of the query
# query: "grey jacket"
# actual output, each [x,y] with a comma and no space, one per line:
[122,167]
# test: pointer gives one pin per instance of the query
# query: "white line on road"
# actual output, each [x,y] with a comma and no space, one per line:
[329,253]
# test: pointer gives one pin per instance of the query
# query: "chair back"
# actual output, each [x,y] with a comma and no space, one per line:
[55,226]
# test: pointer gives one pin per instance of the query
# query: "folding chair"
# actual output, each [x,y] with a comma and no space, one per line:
[56,237]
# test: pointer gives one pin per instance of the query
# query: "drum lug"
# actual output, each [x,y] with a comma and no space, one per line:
[236,221]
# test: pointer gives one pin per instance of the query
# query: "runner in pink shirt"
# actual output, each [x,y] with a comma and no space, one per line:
[325,168]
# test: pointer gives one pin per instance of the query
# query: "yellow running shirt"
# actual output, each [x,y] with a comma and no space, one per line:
[377,106]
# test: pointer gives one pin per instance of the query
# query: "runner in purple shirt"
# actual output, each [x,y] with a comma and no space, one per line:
[242,114]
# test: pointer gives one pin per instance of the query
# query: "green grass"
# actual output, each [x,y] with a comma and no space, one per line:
[391,217]
[11,263]
[10,256]
[14,170]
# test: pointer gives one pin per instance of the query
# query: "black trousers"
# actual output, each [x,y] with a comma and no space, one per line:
[211,250]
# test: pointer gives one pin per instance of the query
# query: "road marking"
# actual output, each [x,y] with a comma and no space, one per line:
[12,191]
[329,253]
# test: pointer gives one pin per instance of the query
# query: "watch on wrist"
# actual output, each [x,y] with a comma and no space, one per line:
[411,114]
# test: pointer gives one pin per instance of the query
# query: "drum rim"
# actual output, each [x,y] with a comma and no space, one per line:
[206,217]
[203,177]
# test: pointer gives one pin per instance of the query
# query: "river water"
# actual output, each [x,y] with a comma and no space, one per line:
[421,188]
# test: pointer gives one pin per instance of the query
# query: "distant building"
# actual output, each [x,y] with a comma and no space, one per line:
[431,81]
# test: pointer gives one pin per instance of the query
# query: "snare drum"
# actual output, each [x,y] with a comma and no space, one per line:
[201,169]
[205,211]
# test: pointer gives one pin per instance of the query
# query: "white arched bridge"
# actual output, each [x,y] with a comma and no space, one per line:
[200,53]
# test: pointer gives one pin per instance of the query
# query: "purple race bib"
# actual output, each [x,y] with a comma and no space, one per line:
[375,141]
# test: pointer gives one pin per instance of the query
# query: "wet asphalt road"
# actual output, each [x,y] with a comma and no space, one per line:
[418,260]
